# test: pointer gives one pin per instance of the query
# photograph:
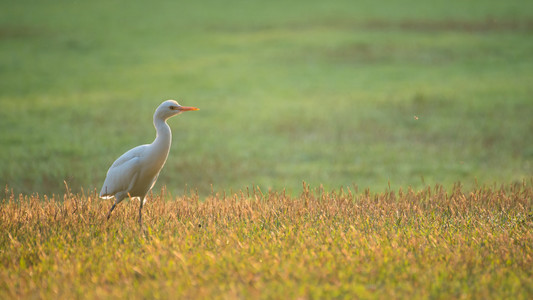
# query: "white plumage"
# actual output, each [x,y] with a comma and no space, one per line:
[135,172]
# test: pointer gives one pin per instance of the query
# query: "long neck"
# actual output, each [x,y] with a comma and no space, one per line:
[163,139]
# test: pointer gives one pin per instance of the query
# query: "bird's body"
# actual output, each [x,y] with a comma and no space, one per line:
[128,176]
[135,172]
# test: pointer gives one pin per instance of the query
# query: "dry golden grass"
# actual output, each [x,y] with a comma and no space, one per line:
[436,243]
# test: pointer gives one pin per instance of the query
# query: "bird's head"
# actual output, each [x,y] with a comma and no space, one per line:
[171,108]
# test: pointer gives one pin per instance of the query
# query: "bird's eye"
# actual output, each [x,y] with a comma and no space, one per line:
[173,107]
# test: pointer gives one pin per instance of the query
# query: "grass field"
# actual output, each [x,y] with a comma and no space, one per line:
[337,93]
[253,245]
[417,113]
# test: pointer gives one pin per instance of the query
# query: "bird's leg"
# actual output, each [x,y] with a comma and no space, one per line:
[112,207]
[140,213]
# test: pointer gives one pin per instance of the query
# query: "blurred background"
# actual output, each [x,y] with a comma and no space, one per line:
[366,94]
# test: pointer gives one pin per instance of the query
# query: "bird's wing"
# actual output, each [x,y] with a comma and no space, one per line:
[122,172]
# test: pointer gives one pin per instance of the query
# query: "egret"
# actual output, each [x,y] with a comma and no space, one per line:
[135,172]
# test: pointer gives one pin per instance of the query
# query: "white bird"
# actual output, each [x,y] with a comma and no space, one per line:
[135,172]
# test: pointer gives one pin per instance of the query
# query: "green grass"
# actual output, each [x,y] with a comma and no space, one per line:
[328,92]
[407,244]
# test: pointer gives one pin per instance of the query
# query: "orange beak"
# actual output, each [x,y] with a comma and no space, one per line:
[187,108]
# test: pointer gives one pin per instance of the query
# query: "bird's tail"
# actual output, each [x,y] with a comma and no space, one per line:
[104,194]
